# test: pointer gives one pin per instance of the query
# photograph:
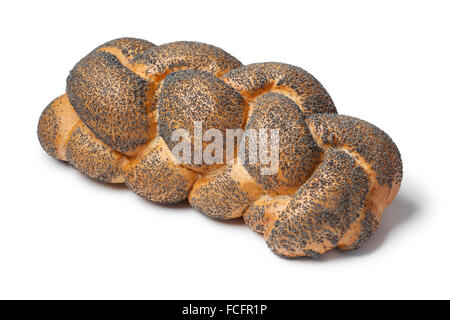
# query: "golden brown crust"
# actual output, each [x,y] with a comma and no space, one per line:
[55,123]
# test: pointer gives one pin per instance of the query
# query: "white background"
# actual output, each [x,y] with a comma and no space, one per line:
[63,235]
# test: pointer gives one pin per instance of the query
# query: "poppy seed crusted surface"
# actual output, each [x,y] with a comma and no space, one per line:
[332,179]
[363,138]
[197,96]
[129,47]
[55,125]
[260,213]
[184,55]
[92,157]
[299,155]
[322,209]
[256,79]
[48,129]
[100,87]
[220,196]
[156,176]
[276,94]
[368,226]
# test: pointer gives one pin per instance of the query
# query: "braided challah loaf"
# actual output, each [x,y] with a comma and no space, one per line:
[124,101]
